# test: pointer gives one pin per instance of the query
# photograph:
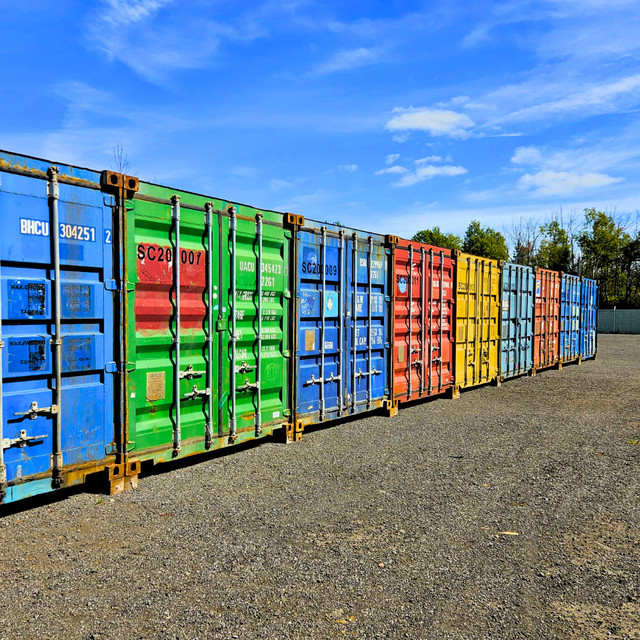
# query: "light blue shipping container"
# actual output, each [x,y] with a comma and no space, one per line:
[342,322]
[518,306]
[56,326]
[569,318]
[588,318]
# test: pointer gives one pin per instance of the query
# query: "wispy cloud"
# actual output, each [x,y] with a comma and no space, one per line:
[552,183]
[427,172]
[349,168]
[349,59]
[394,169]
[437,122]
[391,158]
[569,170]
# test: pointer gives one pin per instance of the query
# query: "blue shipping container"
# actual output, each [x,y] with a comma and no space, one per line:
[56,326]
[588,318]
[569,318]
[342,322]
[518,305]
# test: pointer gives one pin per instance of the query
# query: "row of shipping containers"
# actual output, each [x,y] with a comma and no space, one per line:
[140,324]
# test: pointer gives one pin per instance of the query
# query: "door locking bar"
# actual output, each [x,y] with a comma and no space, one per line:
[21,441]
[196,393]
[190,374]
[35,411]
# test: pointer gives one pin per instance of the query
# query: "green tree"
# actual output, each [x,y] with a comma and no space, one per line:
[555,248]
[438,239]
[486,242]
[603,243]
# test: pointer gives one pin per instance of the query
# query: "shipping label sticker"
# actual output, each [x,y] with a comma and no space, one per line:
[155,386]
[310,340]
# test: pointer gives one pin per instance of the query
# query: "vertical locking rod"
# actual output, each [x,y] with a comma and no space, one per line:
[233,339]
[258,415]
[423,336]
[370,366]
[323,303]
[431,321]
[341,341]
[468,321]
[410,331]
[175,216]
[354,332]
[3,469]
[53,196]
[441,306]
[208,220]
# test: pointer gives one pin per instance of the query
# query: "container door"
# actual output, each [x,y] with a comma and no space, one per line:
[322,321]
[478,320]
[570,318]
[422,323]
[367,308]
[410,359]
[527,309]
[510,321]
[341,320]
[207,337]
[547,296]
[517,319]
[49,430]
[588,310]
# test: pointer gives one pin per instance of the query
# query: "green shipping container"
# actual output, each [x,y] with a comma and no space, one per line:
[206,343]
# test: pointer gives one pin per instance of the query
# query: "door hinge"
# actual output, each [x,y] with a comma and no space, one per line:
[113,367]
[113,285]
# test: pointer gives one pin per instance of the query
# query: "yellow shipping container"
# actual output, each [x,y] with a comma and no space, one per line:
[477,320]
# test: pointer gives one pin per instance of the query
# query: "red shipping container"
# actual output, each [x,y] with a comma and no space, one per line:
[423,318]
[546,339]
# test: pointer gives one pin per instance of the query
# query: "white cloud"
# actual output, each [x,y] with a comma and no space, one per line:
[391,158]
[428,172]
[438,122]
[401,137]
[547,183]
[527,155]
[395,169]
[599,98]
[428,159]
[349,59]
[350,168]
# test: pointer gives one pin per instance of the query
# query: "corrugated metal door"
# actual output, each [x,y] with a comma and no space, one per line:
[342,322]
[56,397]
[477,319]
[547,319]
[207,342]
[569,318]
[588,317]
[516,337]
[423,298]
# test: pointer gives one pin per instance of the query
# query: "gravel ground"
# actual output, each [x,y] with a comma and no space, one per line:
[512,512]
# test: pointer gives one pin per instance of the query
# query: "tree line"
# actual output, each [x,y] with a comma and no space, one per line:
[594,244]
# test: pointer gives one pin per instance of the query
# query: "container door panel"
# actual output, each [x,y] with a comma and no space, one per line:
[341,320]
[27,289]
[517,320]
[478,320]
[588,317]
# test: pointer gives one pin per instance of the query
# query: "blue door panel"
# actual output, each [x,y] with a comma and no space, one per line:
[518,306]
[588,317]
[569,318]
[27,324]
[356,312]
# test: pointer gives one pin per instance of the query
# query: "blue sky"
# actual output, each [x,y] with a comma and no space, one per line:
[389,116]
